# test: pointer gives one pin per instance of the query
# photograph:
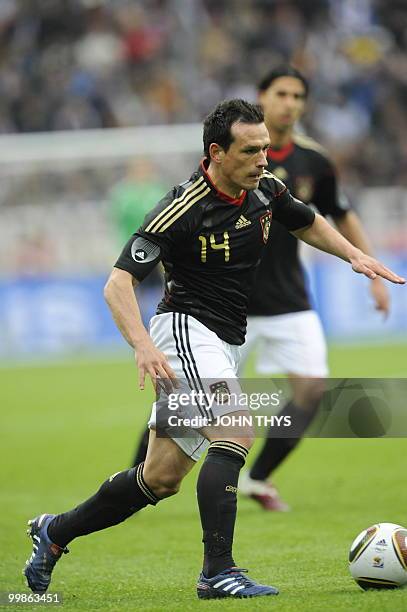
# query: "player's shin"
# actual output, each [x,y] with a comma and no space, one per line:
[119,497]
[216,490]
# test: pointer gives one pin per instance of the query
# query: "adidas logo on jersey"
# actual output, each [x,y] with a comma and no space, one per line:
[140,255]
[242,222]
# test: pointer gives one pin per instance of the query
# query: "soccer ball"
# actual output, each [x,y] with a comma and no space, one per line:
[378,557]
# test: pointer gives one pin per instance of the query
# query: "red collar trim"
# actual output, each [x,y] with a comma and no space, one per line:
[220,194]
[278,155]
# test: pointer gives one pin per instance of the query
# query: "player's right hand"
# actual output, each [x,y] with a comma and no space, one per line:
[151,361]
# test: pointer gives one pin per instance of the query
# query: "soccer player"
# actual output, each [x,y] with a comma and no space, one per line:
[282,327]
[209,258]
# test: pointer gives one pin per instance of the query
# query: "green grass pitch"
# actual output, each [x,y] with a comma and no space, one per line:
[66,427]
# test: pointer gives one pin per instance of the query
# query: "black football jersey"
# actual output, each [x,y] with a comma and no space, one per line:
[210,245]
[309,175]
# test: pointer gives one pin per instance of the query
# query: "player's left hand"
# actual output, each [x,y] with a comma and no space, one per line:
[370,267]
[380,295]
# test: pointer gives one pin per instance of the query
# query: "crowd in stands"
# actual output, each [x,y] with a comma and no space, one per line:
[76,64]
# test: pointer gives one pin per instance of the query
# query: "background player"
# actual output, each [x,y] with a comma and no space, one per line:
[209,259]
[282,326]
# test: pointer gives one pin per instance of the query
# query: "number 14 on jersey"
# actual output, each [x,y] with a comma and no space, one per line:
[216,246]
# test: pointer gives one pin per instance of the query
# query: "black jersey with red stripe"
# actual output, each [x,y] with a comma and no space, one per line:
[210,245]
[310,176]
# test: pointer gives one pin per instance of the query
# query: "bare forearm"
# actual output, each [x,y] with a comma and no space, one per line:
[350,226]
[119,295]
[325,238]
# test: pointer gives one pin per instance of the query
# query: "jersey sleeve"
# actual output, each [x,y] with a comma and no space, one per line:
[328,198]
[154,240]
[287,210]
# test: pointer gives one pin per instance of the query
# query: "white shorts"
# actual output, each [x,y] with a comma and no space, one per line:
[201,361]
[291,343]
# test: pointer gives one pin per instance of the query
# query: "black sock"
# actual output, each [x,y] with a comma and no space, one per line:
[217,500]
[119,497]
[141,450]
[275,450]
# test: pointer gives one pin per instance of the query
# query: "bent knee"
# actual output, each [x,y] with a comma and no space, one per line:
[316,390]
[163,485]
[311,394]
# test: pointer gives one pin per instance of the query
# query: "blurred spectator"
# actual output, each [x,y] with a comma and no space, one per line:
[78,64]
[133,197]
[34,256]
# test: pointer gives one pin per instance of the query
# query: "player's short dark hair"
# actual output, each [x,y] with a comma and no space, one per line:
[217,125]
[284,70]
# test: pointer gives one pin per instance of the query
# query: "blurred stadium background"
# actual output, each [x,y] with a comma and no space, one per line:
[100,113]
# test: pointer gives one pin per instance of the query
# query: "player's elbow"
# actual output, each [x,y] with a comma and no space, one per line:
[109,289]
[118,281]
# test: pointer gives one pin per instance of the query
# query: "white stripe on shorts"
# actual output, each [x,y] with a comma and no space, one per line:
[181,336]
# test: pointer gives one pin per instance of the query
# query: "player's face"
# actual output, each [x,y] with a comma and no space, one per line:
[283,103]
[243,163]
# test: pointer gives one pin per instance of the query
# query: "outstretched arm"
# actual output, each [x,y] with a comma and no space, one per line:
[120,297]
[349,225]
[325,238]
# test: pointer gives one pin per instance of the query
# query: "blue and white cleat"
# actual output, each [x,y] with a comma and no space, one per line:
[231,583]
[38,568]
